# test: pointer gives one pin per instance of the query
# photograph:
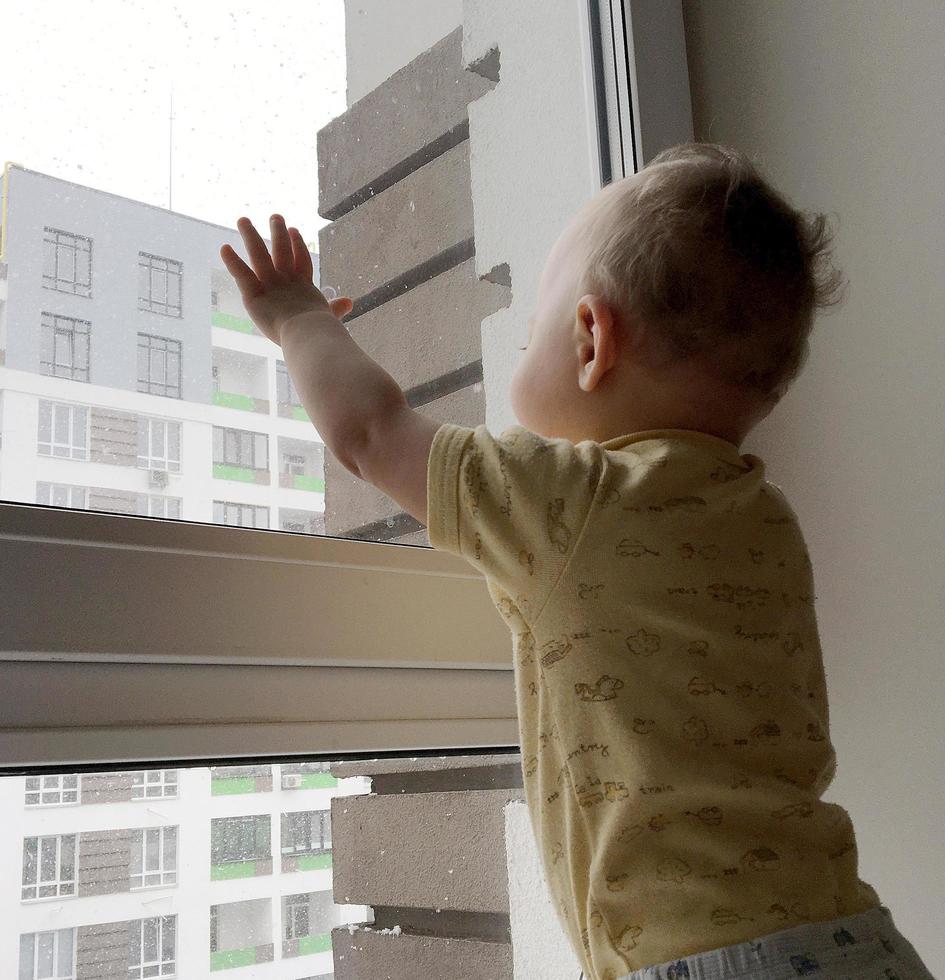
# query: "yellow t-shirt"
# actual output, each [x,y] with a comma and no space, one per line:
[672,703]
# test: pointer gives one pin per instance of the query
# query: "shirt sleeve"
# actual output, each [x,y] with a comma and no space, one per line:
[513,505]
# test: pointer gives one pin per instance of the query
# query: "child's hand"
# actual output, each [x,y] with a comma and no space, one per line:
[281,286]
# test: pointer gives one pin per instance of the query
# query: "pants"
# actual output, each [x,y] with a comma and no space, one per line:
[867,946]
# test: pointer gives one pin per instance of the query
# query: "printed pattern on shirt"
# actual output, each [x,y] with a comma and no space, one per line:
[671,697]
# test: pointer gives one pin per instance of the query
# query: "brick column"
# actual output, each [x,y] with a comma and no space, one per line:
[426,850]
[393,175]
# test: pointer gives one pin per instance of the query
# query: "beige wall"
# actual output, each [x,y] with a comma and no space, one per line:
[841,101]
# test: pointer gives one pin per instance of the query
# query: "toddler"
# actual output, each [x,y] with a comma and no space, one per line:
[671,696]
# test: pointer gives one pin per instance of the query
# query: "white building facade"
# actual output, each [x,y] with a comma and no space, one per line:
[131,380]
[171,873]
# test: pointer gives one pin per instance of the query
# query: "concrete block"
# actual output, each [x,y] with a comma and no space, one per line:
[366,954]
[416,114]
[432,329]
[425,850]
[351,503]
[412,224]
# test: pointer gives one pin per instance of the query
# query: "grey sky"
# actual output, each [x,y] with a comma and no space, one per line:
[86,97]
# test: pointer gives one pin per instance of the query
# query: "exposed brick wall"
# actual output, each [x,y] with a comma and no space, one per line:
[394,180]
[426,850]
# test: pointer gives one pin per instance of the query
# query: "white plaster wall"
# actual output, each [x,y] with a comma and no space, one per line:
[533,160]
[841,101]
[384,35]
[540,947]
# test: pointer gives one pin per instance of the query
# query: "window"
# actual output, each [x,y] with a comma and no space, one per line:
[159,445]
[295,916]
[154,505]
[159,367]
[153,951]
[52,790]
[47,955]
[234,839]
[285,390]
[67,262]
[238,447]
[62,495]
[48,867]
[307,832]
[153,784]
[240,515]
[159,282]
[293,464]
[63,430]
[153,857]
[64,347]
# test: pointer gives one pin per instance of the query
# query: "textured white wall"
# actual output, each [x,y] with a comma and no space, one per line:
[540,948]
[533,160]
[841,101]
[384,35]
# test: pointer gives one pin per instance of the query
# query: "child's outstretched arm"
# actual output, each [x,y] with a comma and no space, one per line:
[355,405]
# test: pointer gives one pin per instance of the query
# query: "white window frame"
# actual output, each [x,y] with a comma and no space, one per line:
[321,817]
[166,872]
[144,968]
[153,460]
[144,780]
[73,451]
[159,505]
[61,971]
[47,784]
[402,645]
[65,887]
[77,498]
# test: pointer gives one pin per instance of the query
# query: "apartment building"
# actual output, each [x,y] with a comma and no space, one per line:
[131,380]
[171,873]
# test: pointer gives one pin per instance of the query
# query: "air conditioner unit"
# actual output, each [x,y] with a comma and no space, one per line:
[291,781]
[157,478]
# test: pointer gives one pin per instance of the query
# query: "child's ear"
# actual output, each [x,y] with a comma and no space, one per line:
[597,340]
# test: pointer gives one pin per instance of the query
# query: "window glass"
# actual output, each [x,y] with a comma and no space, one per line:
[117,225]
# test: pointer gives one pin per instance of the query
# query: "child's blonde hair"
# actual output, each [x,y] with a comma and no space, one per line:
[717,263]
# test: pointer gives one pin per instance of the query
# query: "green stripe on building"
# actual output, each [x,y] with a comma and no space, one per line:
[241,473]
[230,322]
[227,399]
[238,869]
[315,862]
[314,944]
[234,784]
[226,959]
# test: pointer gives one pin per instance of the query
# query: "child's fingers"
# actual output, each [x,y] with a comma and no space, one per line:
[245,278]
[282,257]
[303,261]
[258,253]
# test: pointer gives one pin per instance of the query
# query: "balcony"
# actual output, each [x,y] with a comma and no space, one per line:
[235,780]
[301,465]
[241,934]
[240,381]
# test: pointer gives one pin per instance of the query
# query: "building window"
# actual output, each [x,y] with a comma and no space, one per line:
[238,447]
[236,839]
[64,347]
[153,951]
[67,262]
[293,464]
[308,832]
[62,495]
[154,505]
[295,916]
[159,445]
[154,784]
[240,515]
[52,790]
[285,389]
[153,857]
[159,282]
[159,365]
[48,867]
[63,430]
[48,955]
